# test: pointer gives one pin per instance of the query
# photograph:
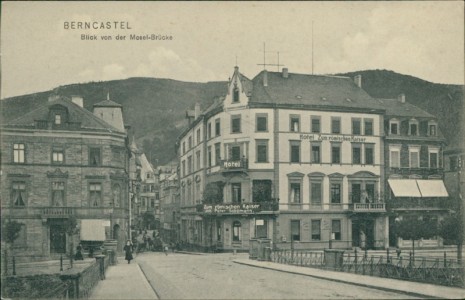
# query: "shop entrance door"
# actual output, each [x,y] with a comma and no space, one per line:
[57,239]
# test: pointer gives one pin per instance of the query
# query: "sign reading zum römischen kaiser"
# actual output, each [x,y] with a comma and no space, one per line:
[244,208]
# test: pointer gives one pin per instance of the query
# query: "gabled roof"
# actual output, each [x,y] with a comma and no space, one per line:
[107,103]
[76,114]
[311,90]
[396,108]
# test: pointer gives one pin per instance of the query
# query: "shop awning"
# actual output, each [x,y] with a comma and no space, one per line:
[92,230]
[404,187]
[432,188]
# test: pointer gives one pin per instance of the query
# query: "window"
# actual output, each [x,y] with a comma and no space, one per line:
[57,156]
[356,126]
[189,164]
[18,193]
[335,193]
[94,157]
[336,230]
[262,122]
[235,94]
[183,168]
[197,158]
[335,125]
[18,153]
[198,136]
[356,192]
[294,123]
[453,163]
[262,151]
[394,158]
[157,196]
[235,152]
[236,124]
[413,127]
[236,231]
[217,154]
[335,153]
[236,193]
[190,142]
[57,119]
[209,130]
[295,230]
[394,127]
[316,230]
[58,193]
[183,147]
[261,228]
[261,190]
[433,160]
[152,202]
[295,151]
[209,156]
[370,192]
[116,195]
[316,153]
[315,124]
[217,127]
[356,154]
[95,192]
[368,126]
[315,193]
[369,157]
[294,192]
[432,129]
[414,157]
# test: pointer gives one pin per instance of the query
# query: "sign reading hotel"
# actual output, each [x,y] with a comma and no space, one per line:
[333,138]
[231,164]
[231,208]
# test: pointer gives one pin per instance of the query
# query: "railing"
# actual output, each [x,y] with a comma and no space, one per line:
[369,207]
[57,212]
[449,272]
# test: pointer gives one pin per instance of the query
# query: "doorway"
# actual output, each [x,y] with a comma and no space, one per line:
[363,233]
[57,239]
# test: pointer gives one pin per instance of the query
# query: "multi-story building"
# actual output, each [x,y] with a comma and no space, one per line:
[60,161]
[170,206]
[149,192]
[413,168]
[291,157]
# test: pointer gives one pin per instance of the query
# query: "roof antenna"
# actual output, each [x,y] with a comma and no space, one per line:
[264,59]
[312,47]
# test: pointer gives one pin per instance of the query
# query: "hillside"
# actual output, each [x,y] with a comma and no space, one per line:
[155,108]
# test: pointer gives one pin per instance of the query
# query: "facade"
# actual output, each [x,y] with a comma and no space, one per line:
[170,205]
[149,201]
[414,168]
[294,158]
[60,162]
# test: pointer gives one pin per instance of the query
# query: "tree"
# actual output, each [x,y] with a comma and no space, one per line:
[10,231]
[451,228]
[413,228]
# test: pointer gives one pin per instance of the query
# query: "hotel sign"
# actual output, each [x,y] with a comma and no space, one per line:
[245,208]
[232,164]
[333,138]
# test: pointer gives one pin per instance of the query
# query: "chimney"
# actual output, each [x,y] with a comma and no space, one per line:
[285,73]
[53,97]
[358,80]
[78,100]
[265,78]
[196,111]
[401,98]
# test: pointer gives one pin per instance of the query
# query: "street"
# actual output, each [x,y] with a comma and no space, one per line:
[216,276]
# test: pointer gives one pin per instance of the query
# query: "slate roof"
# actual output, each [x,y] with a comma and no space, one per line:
[403,109]
[318,91]
[76,114]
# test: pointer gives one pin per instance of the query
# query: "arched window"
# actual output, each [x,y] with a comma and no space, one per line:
[235,95]
[236,231]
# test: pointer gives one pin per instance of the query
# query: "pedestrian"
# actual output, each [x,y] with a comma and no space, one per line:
[165,249]
[78,255]
[398,251]
[128,250]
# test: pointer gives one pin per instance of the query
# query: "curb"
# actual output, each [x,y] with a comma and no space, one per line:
[191,253]
[147,281]
[414,294]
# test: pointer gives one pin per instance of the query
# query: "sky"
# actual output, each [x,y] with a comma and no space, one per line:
[420,38]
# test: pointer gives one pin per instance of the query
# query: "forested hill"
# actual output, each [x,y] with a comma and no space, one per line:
[155,108]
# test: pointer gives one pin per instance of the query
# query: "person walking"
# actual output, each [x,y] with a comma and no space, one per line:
[165,249]
[128,251]
[78,255]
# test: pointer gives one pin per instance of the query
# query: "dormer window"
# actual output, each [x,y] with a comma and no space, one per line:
[432,128]
[57,119]
[393,126]
[235,95]
[413,127]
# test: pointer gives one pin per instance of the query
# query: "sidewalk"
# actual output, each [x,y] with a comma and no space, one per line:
[422,290]
[124,281]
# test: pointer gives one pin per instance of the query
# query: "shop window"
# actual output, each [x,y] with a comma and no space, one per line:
[295,230]
[18,153]
[316,126]
[316,230]
[18,193]
[294,123]
[236,231]
[336,230]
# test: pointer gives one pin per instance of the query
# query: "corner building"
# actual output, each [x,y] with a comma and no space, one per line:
[291,157]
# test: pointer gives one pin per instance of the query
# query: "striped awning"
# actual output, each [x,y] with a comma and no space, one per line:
[404,188]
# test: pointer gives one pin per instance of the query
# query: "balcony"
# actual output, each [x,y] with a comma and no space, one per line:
[234,165]
[369,207]
[57,212]
[246,208]
[417,171]
[420,204]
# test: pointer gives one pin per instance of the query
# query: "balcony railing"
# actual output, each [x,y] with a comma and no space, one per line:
[231,165]
[369,207]
[239,208]
[57,212]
